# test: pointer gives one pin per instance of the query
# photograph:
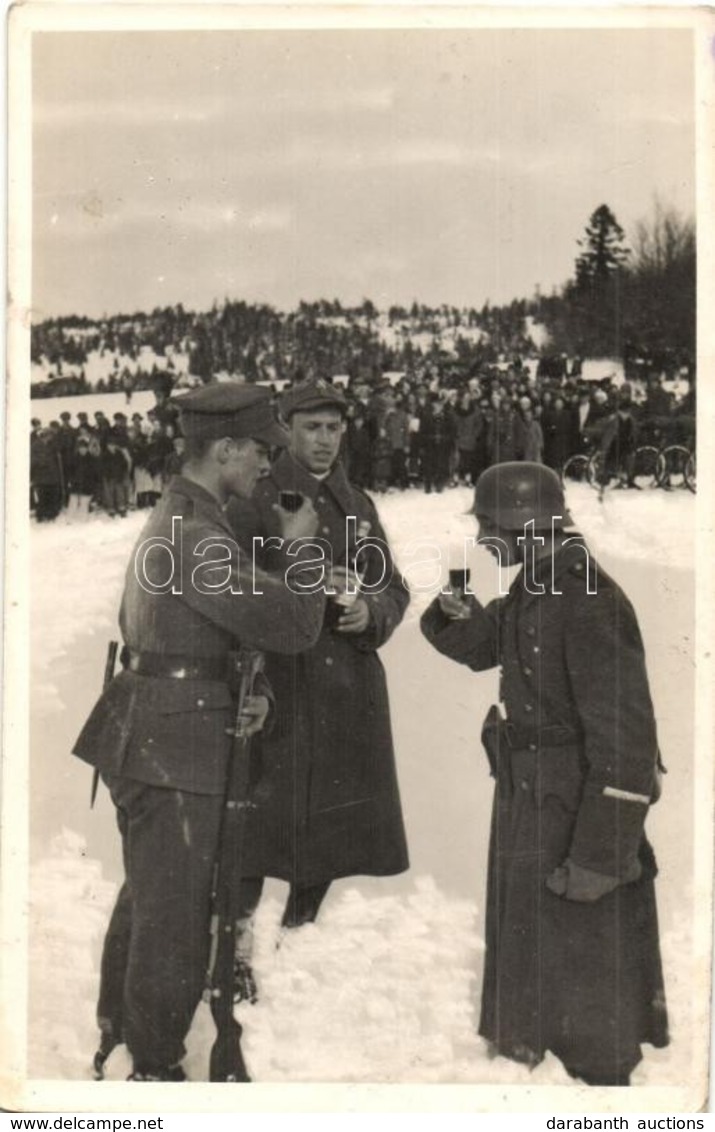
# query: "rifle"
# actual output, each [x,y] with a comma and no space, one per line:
[226,1061]
[108,677]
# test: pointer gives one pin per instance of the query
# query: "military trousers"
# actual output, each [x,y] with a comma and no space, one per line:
[157,944]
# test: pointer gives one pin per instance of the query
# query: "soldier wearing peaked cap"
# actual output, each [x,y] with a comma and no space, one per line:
[307,395]
[572,962]
[159,734]
[328,804]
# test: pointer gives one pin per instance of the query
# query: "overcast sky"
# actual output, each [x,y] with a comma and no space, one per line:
[438,165]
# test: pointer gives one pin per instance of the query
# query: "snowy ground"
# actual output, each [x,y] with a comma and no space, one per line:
[385,988]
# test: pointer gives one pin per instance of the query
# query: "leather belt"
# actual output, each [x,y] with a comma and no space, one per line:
[164,665]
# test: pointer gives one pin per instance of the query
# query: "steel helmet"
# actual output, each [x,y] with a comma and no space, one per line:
[514,493]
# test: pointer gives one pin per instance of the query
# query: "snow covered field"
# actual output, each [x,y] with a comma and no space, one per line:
[385,988]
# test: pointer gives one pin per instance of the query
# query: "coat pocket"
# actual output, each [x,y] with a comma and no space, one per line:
[559,776]
[177,696]
[184,720]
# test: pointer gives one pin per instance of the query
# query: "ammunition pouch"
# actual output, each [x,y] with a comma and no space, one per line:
[490,738]
[498,733]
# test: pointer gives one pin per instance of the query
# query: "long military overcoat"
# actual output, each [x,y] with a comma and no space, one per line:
[574,772]
[327,803]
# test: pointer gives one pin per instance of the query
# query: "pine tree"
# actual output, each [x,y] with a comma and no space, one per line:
[595,299]
[604,249]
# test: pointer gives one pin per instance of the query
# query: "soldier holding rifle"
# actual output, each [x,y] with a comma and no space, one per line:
[572,960]
[161,733]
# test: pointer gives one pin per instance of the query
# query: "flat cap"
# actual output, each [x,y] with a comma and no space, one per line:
[313,394]
[229,409]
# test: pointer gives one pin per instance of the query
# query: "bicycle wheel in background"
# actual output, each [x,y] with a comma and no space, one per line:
[602,474]
[672,464]
[646,466]
[575,470]
[690,473]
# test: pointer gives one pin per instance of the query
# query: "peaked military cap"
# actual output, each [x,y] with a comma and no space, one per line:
[229,409]
[313,394]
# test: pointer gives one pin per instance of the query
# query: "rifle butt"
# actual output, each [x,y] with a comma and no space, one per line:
[226,1061]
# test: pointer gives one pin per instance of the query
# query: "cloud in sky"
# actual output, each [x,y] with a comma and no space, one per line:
[451,166]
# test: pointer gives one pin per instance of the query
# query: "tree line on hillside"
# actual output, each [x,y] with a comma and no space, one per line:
[628,302]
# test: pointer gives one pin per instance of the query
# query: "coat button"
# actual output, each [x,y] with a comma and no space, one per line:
[528,707]
[524,784]
[328,660]
[528,671]
[533,747]
[530,631]
[536,648]
[200,703]
[325,530]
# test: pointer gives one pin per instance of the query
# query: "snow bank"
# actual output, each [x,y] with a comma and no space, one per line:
[69,906]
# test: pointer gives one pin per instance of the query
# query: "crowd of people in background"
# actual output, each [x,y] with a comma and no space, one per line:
[431,435]
[112,465]
[422,432]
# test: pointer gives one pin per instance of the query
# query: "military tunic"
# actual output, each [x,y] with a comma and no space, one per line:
[575,768]
[327,802]
[162,746]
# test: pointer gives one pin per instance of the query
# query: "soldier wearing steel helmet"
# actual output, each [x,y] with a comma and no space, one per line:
[572,959]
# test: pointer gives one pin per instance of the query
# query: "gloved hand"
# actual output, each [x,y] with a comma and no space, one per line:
[454,606]
[585,886]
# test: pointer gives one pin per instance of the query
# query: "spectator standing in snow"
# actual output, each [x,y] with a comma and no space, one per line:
[101,425]
[572,959]
[413,428]
[84,478]
[114,469]
[328,804]
[532,437]
[66,443]
[397,426]
[437,433]
[468,424]
[501,439]
[358,447]
[557,424]
[158,449]
[619,438]
[175,459]
[127,382]
[46,475]
[159,734]
[141,480]
[381,444]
